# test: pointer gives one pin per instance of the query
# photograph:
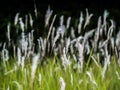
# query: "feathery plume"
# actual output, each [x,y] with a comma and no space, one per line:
[105,15]
[16,19]
[22,26]
[47,16]
[65,60]
[61,20]
[35,9]
[81,19]
[80,54]
[35,60]
[61,30]
[31,20]
[67,44]
[68,22]
[62,84]
[19,56]
[72,33]
[88,17]
[8,32]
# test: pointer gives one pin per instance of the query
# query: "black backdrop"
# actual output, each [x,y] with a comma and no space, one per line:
[12,6]
[8,8]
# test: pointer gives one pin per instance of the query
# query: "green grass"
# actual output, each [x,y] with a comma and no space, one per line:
[56,72]
[47,76]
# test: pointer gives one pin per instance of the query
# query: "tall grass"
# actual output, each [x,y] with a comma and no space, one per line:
[48,77]
[66,57]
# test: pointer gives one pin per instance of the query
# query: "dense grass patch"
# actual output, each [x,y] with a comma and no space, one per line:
[69,54]
[47,76]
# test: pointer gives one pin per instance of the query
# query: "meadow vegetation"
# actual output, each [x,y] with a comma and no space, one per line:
[65,54]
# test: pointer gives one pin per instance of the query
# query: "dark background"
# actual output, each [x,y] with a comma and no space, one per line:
[8,8]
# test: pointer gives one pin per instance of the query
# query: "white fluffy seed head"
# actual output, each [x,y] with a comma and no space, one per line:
[61,20]
[31,20]
[19,56]
[62,84]
[8,32]
[61,30]
[68,22]
[88,17]
[16,19]
[80,22]
[22,26]
[35,60]
[105,15]
[48,15]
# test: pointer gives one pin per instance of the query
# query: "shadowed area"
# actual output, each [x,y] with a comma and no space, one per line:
[9,8]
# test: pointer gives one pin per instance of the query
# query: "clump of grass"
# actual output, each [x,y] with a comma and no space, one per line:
[53,76]
[66,58]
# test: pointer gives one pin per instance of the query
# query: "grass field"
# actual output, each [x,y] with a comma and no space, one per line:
[52,76]
[65,55]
